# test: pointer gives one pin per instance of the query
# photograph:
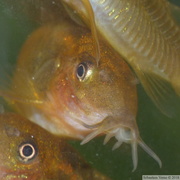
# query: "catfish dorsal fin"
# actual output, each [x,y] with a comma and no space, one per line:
[90,13]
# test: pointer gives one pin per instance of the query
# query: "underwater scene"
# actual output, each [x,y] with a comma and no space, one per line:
[76,95]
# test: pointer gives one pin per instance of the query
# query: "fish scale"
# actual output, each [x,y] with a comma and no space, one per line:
[165,24]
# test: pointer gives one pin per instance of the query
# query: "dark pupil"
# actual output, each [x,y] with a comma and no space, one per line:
[80,71]
[27,151]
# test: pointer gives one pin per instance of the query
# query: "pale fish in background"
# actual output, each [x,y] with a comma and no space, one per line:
[145,33]
[58,85]
[29,152]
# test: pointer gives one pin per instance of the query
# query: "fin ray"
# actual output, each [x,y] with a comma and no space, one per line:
[161,93]
[93,28]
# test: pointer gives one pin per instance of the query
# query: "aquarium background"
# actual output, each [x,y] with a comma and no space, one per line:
[158,131]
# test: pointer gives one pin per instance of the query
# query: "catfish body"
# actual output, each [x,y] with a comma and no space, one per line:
[58,85]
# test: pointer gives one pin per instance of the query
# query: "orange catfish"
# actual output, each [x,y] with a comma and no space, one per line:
[58,85]
[29,152]
[146,35]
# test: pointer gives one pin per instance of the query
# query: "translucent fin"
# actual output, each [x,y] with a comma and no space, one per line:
[73,15]
[175,10]
[6,90]
[39,11]
[7,94]
[6,73]
[90,12]
[162,93]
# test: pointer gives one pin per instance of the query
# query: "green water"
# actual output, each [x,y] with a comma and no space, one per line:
[158,132]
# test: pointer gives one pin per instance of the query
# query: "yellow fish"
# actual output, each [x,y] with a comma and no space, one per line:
[145,33]
[58,85]
[30,152]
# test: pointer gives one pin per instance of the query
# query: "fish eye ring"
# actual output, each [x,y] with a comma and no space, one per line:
[81,71]
[27,151]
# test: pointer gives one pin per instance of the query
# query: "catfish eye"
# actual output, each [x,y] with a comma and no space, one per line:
[81,71]
[27,151]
